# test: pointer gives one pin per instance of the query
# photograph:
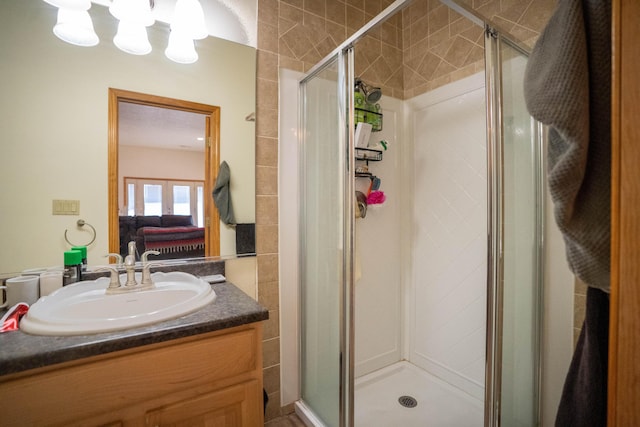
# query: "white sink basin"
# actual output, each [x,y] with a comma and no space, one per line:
[83,308]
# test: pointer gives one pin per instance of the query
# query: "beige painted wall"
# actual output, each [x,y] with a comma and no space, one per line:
[53,130]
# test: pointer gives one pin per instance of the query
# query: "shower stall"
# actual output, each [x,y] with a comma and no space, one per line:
[427,311]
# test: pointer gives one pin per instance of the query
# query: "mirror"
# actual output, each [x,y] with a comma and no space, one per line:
[55,108]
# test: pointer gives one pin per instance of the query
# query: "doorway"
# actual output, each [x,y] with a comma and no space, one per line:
[211,132]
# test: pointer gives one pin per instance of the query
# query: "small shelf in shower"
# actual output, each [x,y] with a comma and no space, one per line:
[368,154]
[371,117]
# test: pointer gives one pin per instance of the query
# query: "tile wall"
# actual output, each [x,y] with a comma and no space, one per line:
[425,47]
[441,46]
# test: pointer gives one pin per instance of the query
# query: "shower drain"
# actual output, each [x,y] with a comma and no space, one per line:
[408,401]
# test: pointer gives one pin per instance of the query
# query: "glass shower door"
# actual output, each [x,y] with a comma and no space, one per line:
[322,244]
[522,247]
[517,245]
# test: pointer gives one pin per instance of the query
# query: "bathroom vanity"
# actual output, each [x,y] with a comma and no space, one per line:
[204,368]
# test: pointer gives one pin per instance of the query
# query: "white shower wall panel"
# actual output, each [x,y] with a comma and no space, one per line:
[378,290]
[447,292]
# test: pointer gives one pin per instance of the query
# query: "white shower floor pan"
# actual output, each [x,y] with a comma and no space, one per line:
[439,404]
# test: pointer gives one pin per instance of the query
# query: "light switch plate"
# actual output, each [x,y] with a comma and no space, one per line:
[66,207]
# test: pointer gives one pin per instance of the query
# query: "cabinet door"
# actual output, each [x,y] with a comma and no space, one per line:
[236,406]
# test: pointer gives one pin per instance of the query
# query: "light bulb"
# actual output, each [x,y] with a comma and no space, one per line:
[181,48]
[188,18]
[132,38]
[75,27]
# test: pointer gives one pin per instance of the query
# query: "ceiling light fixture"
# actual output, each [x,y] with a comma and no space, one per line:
[74,26]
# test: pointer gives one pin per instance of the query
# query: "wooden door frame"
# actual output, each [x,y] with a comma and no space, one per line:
[211,162]
[624,335]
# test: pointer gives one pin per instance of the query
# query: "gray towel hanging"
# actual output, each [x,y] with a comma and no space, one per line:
[222,195]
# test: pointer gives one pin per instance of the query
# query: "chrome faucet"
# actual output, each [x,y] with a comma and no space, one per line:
[115,287]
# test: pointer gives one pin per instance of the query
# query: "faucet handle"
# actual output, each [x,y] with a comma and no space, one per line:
[115,277]
[118,257]
[146,268]
[145,256]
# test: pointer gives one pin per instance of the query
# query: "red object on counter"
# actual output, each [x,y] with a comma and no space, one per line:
[11,320]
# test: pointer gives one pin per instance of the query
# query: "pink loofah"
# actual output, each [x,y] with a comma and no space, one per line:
[376,198]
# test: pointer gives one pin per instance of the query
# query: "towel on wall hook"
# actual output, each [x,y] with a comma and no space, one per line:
[222,195]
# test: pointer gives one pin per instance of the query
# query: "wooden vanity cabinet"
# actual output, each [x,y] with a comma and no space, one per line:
[214,379]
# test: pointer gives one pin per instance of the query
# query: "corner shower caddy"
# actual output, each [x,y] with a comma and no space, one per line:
[363,115]
[368,154]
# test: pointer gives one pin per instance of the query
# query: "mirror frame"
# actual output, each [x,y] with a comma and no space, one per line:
[211,162]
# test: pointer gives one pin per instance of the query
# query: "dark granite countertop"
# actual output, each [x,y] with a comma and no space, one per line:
[20,351]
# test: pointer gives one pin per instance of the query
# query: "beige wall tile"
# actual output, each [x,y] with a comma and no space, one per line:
[297,41]
[271,379]
[268,267]
[355,18]
[337,12]
[266,210]
[337,32]
[312,57]
[296,3]
[372,7]
[266,122]
[419,30]
[317,7]
[267,65]
[291,13]
[267,12]
[273,407]
[267,94]
[358,4]
[315,27]
[271,352]
[537,14]
[266,151]
[271,327]
[268,41]
[284,50]
[438,19]
[268,295]
[291,64]
[266,180]
[458,52]
[267,239]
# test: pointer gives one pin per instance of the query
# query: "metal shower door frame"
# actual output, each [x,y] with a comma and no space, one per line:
[495,260]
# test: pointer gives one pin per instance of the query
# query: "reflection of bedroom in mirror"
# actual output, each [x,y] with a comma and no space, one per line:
[163,156]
